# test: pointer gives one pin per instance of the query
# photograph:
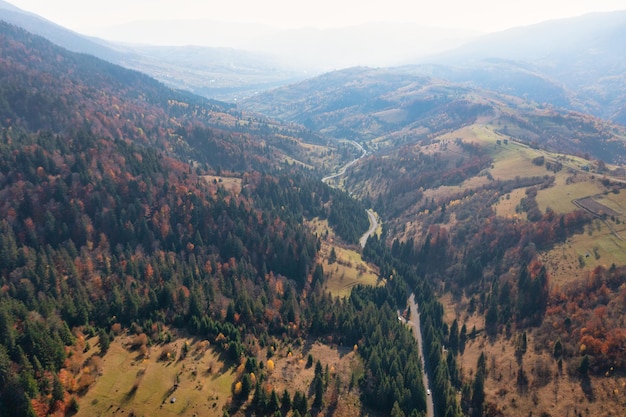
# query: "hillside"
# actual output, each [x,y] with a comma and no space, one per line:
[161,244]
[47,88]
[225,73]
[389,107]
[508,209]
[164,254]
[526,248]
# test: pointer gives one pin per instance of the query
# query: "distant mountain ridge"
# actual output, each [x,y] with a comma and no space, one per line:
[309,49]
[394,106]
[578,63]
[58,34]
[212,72]
[46,88]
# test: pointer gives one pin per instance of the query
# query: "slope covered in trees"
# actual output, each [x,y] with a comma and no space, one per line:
[480,194]
[43,87]
[109,223]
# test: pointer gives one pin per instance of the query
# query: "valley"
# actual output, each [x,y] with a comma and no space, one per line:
[442,238]
[521,174]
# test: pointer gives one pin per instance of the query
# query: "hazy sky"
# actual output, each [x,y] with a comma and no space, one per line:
[481,15]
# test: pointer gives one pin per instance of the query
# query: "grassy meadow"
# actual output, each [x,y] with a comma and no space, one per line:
[349,269]
[232,184]
[132,382]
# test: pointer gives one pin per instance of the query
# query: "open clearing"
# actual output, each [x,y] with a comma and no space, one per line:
[581,253]
[602,243]
[616,202]
[549,389]
[290,371]
[518,164]
[232,184]
[131,382]
[560,197]
[348,270]
[507,206]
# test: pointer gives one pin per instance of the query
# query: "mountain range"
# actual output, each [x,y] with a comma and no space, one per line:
[388,107]
[208,71]
[577,63]
[164,253]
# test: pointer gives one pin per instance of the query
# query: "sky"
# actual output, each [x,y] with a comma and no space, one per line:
[88,17]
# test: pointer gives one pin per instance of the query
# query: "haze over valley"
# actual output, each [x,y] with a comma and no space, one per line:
[334,210]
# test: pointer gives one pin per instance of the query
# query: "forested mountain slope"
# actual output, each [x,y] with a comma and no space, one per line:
[47,88]
[510,209]
[118,233]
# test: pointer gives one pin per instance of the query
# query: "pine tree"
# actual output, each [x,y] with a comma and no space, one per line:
[273,404]
[57,389]
[462,338]
[318,389]
[105,341]
[396,411]
[478,388]
[300,403]
[333,256]
[557,352]
[285,400]
[453,339]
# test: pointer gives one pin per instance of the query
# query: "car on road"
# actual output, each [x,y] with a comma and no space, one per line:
[428,391]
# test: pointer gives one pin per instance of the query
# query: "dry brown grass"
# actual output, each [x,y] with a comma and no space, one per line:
[602,243]
[550,390]
[349,269]
[507,206]
[132,383]
[231,184]
[581,253]
[290,373]
[559,197]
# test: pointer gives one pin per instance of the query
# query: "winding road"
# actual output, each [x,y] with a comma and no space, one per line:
[371,230]
[370,214]
[415,315]
[343,169]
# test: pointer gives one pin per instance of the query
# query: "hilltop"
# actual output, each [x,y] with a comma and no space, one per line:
[576,63]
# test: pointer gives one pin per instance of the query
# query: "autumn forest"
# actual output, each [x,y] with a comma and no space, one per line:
[138,220]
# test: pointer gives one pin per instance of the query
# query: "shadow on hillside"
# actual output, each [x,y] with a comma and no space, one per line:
[585,385]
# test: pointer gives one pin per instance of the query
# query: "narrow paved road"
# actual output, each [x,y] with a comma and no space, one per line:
[349,164]
[414,322]
[370,214]
[371,230]
[415,316]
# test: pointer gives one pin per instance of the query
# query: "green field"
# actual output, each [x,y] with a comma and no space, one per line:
[559,198]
